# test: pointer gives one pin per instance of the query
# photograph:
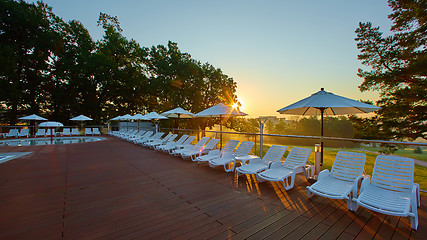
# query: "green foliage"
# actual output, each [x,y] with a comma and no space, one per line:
[398,70]
[54,68]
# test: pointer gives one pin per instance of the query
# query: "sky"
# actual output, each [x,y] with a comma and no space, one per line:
[277,51]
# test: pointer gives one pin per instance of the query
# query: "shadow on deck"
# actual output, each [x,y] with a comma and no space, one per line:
[115,190]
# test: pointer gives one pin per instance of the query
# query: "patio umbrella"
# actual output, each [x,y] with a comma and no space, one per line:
[177,113]
[50,125]
[326,103]
[126,117]
[81,118]
[138,117]
[220,110]
[153,116]
[33,118]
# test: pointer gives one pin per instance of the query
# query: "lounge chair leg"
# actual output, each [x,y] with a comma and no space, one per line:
[352,205]
[309,194]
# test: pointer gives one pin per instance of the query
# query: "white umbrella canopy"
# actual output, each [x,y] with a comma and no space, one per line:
[331,103]
[118,118]
[138,116]
[177,113]
[220,110]
[81,118]
[33,117]
[323,102]
[51,124]
[126,117]
[153,116]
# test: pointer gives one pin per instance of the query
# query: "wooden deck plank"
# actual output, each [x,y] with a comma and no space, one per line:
[116,190]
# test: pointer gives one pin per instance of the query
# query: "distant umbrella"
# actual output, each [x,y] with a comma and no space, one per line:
[50,125]
[177,113]
[81,118]
[220,110]
[33,117]
[326,103]
[153,116]
[138,117]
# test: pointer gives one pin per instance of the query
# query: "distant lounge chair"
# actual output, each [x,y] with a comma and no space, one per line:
[75,132]
[41,132]
[228,161]
[343,180]
[66,132]
[156,136]
[256,165]
[25,132]
[88,131]
[169,137]
[12,133]
[186,143]
[190,148]
[226,150]
[95,131]
[197,152]
[165,147]
[48,132]
[285,173]
[392,190]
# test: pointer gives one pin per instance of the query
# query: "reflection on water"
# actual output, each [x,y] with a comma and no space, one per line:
[47,141]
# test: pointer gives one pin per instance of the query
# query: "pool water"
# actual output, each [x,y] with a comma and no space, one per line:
[46,141]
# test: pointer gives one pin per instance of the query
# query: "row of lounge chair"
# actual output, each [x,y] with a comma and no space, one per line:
[390,190]
[41,132]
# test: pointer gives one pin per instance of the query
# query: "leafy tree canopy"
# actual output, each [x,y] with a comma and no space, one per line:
[398,69]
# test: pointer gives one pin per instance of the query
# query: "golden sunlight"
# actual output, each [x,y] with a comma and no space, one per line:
[240,103]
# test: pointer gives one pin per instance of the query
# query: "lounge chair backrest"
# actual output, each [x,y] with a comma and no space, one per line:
[88,130]
[48,132]
[393,173]
[66,131]
[172,138]
[147,134]
[230,146]
[96,131]
[189,140]
[211,144]
[348,165]
[297,157]
[181,139]
[201,142]
[13,132]
[24,132]
[166,138]
[157,135]
[274,153]
[40,131]
[244,148]
[75,131]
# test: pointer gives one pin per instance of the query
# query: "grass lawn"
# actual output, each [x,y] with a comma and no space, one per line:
[330,153]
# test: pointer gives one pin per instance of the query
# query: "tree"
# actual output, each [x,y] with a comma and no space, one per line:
[29,40]
[398,70]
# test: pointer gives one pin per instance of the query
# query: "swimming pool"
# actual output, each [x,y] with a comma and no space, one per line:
[46,141]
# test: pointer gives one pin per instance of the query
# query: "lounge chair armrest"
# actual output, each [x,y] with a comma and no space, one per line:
[356,185]
[365,183]
[415,200]
[274,164]
[323,174]
[254,160]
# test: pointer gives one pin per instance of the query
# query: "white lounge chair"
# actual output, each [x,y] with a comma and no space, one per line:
[342,182]
[25,132]
[156,136]
[226,150]
[66,132]
[48,132]
[193,153]
[147,134]
[187,142]
[88,131]
[41,132]
[168,138]
[392,190]
[156,140]
[228,161]
[75,132]
[133,135]
[294,163]
[13,133]
[198,147]
[95,131]
[171,144]
[256,165]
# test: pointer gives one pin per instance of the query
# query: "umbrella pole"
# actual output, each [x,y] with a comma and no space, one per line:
[322,110]
[51,136]
[220,130]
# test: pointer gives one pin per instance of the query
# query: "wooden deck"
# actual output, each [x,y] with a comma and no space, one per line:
[115,190]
